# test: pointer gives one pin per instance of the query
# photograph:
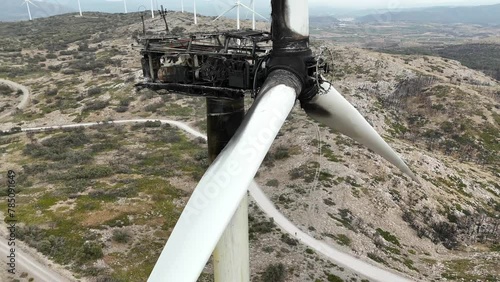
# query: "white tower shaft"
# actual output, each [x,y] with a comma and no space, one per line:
[231,255]
[253,14]
[238,15]
[29,11]
[194,12]
[80,8]
[125,4]
[152,10]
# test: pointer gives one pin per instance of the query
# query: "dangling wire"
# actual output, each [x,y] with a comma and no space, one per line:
[323,65]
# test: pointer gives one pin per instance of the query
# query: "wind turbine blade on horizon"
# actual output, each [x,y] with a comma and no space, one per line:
[27,2]
[253,11]
[225,12]
[219,192]
[32,3]
[333,110]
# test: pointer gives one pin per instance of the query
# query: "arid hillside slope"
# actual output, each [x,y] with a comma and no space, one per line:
[103,200]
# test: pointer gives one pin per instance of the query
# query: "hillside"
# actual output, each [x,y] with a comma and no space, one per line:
[322,21]
[102,201]
[486,15]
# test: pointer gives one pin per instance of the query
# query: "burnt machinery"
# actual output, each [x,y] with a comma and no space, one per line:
[217,65]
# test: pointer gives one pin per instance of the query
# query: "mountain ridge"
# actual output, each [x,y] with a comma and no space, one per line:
[484,14]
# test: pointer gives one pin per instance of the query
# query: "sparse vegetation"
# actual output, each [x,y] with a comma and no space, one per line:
[274,273]
[85,192]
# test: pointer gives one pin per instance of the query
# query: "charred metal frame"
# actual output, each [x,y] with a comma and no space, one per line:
[217,65]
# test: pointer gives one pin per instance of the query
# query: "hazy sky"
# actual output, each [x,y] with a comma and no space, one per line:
[394,4]
[216,7]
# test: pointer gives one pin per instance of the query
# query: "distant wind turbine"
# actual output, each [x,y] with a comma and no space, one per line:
[194,12]
[125,4]
[253,15]
[152,10]
[182,6]
[237,5]
[28,2]
[80,8]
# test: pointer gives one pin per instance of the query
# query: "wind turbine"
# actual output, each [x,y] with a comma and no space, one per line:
[28,2]
[253,15]
[182,6]
[152,10]
[237,5]
[217,196]
[125,4]
[194,12]
[80,8]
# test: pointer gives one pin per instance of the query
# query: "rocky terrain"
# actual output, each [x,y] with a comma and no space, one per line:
[103,200]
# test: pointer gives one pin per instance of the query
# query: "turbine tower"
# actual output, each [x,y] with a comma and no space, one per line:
[253,15]
[80,8]
[194,12]
[125,4]
[182,6]
[152,10]
[237,5]
[219,200]
[28,2]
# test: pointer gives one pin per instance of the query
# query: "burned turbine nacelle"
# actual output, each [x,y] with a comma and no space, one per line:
[217,64]
[226,64]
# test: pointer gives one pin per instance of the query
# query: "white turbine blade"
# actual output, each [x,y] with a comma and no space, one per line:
[219,192]
[333,110]
[32,3]
[253,11]
[234,6]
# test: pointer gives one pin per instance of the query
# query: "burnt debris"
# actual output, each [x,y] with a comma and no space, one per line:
[219,65]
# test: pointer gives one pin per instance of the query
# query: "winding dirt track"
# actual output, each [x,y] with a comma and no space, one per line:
[24,99]
[357,265]
[25,262]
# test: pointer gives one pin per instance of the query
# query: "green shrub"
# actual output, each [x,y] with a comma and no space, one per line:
[155,123]
[51,92]
[95,105]
[342,239]
[389,237]
[290,241]
[120,236]
[273,183]
[268,249]
[281,153]
[90,251]
[121,109]
[274,273]
[334,278]
[94,91]
[376,258]
[262,227]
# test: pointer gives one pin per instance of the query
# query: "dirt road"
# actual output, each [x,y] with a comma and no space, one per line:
[24,99]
